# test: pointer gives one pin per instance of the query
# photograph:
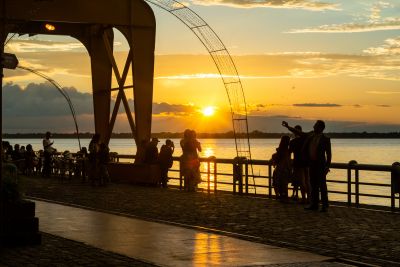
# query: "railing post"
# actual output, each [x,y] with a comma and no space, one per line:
[269,180]
[234,170]
[357,185]
[395,184]
[246,170]
[238,174]
[180,175]
[215,175]
[208,176]
[349,180]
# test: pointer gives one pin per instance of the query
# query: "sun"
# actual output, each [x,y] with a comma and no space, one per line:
[208,111]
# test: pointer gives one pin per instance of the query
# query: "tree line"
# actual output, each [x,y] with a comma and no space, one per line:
[163,135]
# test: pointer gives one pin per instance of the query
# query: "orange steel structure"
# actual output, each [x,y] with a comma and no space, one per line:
[92,23]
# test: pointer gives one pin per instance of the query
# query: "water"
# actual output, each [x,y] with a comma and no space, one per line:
[364,151]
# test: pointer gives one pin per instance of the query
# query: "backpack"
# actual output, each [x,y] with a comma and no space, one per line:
[165,156]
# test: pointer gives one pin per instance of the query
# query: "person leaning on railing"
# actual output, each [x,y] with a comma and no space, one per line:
[318,152]
[48,152]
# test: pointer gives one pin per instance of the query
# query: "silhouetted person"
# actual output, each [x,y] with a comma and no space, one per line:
[190,161]
[48,151]
[16,153]
[319,154]
[82,163]
[4,147]
[282,172]
[166,161]
[9,152]
[6,151]
[103,160]
[93,150]
[300,168]
[31,160]
[151,153]
[18,158]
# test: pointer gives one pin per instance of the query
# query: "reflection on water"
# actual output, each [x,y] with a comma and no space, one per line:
[207,152]
[364,151]
[207,168]
[207,249]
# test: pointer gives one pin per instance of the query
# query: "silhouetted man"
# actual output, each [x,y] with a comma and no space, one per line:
[166,161]
[151,153]
[48,150]
[317,151]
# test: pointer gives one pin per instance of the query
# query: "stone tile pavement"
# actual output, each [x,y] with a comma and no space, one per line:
[357,234]
[161,244]
[57,251]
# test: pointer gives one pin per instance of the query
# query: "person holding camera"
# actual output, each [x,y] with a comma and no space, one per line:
[166,161]
[48,153]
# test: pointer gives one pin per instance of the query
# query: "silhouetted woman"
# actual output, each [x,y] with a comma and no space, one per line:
[190,162]
[282,172]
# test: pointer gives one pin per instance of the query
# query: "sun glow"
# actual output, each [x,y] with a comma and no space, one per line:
[208,111]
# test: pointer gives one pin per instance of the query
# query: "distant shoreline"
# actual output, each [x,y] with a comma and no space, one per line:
[227,135]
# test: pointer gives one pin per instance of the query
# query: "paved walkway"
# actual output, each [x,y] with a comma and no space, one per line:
[356,234]
[160,244]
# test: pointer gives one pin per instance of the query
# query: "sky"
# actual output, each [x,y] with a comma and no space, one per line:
[298,60]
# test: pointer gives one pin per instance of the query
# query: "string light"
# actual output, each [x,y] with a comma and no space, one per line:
[50,27]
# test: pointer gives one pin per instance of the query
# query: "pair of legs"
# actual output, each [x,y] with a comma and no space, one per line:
[192,179]
[301,176]
[47,164]
[164,177]
[318,185]
[280,183]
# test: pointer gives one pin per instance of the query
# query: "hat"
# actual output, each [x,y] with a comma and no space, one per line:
[155,139]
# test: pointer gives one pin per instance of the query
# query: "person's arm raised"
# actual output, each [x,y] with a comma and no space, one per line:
[293,130]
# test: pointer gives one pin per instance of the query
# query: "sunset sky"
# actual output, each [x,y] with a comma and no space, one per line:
[298,60]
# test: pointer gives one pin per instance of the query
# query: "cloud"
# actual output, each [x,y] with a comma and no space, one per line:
[366,66]
[209,76]
[175,109]
[191,76]
[387,24]
[389,48]
[274,124]
[316,105]
[40,107]
[383,106]
[372,22]
[376,10]
[286,65]
[29,46]
[43,100]
[383,92]
[288,4]
[22,45]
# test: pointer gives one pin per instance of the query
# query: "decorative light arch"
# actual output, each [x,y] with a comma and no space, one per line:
[225,66]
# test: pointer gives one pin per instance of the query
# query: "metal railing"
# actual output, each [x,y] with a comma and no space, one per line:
[233,175]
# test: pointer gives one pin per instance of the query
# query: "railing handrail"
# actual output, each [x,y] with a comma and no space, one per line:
[335,165]
[240,177]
